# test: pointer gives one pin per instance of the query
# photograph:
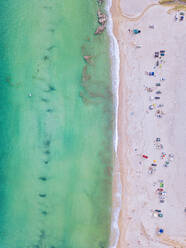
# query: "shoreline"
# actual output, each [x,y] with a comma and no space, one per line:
[116,185]
[122,136]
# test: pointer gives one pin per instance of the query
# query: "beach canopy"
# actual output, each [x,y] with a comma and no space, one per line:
[136,31]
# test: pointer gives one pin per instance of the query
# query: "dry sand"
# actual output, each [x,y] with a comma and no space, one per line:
[139,127]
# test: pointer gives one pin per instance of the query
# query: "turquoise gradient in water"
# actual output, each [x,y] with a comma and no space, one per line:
[56,126]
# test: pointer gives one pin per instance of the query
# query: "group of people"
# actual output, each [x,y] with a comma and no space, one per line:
[155,96]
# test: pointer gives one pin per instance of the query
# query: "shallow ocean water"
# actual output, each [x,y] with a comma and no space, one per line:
[56,126]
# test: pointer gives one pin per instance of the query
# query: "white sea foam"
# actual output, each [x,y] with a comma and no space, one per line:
[115,60]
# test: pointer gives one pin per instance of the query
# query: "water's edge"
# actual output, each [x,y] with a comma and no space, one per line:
[115,67]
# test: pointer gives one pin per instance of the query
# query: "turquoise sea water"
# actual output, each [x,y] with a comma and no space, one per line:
[56,124]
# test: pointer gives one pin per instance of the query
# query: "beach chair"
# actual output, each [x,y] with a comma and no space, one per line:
[151,73]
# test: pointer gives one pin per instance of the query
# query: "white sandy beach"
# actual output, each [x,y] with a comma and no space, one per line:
[139,126]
